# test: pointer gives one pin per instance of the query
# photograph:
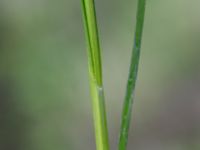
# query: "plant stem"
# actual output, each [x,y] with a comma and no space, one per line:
[95,75]
[127,107]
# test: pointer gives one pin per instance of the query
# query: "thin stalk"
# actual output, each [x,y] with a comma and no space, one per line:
[127,107]
[95,75]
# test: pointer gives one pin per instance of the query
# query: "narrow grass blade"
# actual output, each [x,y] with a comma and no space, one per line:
[127,107]
[95,75]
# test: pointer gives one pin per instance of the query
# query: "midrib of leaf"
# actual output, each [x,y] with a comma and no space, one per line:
[95,75]
[127,107]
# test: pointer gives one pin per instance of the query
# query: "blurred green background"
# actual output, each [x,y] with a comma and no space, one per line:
[44,90]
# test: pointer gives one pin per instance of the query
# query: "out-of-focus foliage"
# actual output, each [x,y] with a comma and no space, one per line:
[44,91]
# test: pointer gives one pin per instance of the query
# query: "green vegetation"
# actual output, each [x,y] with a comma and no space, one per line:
[94,60]
[94,57]
[127,108]
[44,95]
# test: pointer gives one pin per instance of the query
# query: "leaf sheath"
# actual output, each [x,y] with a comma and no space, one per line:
[95,75]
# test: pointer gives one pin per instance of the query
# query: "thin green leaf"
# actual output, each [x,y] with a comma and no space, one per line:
[127,107]
[95,75]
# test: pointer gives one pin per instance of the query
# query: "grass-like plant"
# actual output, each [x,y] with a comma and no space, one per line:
[133,71]
[95,74]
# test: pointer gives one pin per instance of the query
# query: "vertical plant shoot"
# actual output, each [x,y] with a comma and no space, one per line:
[127,107]
[95,75]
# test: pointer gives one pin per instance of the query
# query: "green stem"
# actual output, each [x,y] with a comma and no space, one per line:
[95,74]
[127,107]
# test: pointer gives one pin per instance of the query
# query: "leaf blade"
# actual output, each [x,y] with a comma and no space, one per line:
[133,71]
